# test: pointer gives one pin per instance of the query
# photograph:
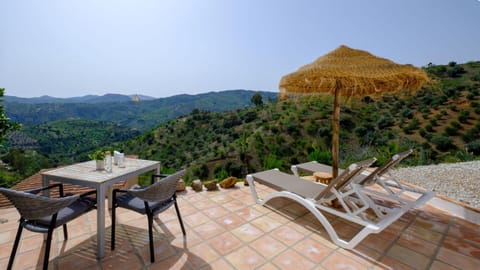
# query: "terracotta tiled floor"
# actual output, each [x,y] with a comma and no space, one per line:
[227,230]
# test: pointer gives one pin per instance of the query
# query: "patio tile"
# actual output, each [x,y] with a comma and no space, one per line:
[345,230]
[29,259]
[219,264]
[428,235]
[34,242]
[431,223]
[205,204]
[462,246]
[176,262]
[225,243]
[76,261]
[291,259]
[466,230]
[221,198]
[279,215]
[367,252]
[125,262]
[5,250]
[215,212]
[234,205]
[341,261]
[208,230]
[362,255]
[457,259]
[7,236]
[230,221]
[247,232]
[391,263]
[201,255]
[161,249]
[409,257]
[417,244]
[296,209]
[196,219]
[248,213]
[186,209]
[268,266]
[287,235]
[313,250]
[245,258]
[375,242]
[267,246]
[266,223]
[181,243]
[438,265]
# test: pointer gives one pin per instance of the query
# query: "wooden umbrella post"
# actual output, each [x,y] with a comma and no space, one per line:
[335,132]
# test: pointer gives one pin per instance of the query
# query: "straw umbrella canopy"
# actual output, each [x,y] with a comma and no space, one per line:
[350,72]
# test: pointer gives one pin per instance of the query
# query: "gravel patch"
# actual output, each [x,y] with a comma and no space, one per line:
[459,181]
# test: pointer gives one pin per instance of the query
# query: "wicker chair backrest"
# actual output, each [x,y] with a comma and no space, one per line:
[162,190]
[33,207]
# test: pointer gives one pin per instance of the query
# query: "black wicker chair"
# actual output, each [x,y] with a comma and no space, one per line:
[150,200]
[43,214]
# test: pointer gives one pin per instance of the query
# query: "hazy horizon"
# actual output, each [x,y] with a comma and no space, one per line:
[164,48]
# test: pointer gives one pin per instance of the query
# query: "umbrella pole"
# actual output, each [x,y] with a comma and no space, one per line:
[335,135]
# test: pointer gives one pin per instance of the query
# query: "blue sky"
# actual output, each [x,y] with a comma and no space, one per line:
[167,47]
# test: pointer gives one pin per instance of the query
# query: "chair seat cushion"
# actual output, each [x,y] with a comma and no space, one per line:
[74,210]
[131,202]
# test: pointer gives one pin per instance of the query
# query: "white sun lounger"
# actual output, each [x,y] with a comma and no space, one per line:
[393,189]
[354,202]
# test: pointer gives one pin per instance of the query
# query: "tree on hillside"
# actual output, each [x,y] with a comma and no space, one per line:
[5,124]
[257,99]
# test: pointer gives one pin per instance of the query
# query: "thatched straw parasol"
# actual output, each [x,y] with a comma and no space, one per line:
[349,72]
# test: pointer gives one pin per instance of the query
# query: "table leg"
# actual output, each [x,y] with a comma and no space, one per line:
[101,221]
[45,184]
[46,193]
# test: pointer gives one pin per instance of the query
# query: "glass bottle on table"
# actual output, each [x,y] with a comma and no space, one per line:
[108,162]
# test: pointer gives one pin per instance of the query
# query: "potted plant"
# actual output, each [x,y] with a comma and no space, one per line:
[99,157]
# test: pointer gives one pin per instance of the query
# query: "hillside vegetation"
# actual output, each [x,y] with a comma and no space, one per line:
[441,122]
[56,143]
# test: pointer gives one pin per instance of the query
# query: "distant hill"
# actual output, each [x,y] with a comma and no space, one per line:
[107,98]
[121,110]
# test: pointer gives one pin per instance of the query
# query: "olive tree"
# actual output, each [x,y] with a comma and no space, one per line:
[5,124]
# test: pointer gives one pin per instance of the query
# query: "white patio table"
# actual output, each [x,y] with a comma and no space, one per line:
[85,174]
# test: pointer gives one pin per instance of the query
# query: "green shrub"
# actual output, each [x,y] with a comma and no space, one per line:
[411,126]
[324,157]
[407,113]
[385,121]
[476,77]
[422,132]
[451,131]
[463,116]
[456,125]
[442,143]
[429,128]
[471,134]
[272,162]
[220,173]
[473,147]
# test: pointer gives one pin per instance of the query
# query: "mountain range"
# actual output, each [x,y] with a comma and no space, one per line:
[122,110]
[107,98]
